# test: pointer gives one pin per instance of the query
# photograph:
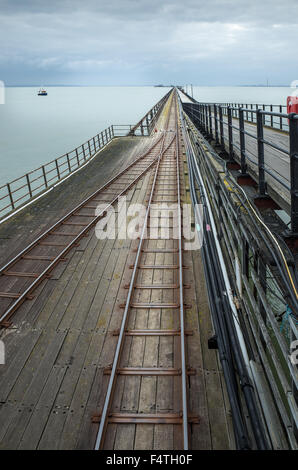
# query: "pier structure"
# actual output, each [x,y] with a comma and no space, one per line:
[141,342]
[261,141]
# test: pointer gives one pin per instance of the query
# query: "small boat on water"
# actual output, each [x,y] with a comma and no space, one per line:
[42,92]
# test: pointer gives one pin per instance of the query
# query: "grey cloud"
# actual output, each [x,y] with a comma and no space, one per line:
[100,41]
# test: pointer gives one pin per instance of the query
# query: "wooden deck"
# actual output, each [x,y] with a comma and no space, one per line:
[53,381]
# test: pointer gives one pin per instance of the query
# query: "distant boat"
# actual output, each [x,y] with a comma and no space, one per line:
[42,92]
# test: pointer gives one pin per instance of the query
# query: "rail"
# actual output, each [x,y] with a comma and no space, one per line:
[234,136]
[167,167]
[272,119]
[264,291]
[18,192]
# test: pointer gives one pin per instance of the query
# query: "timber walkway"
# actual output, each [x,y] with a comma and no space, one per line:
[61,333]
[262,140]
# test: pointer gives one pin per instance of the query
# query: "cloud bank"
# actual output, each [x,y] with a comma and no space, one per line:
[129,42]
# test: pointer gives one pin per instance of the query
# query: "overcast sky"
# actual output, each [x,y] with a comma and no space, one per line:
[144,42]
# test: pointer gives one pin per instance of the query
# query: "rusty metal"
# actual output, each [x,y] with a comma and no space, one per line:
[20,274]
[156,286]
[145,418]
[12,295]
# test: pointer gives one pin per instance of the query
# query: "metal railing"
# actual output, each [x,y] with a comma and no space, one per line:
[18,192]
[146,124]
[233,137]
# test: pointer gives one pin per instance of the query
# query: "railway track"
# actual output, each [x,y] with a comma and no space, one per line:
[155,297]
[29,268]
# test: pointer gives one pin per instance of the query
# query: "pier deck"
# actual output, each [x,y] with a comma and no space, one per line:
[61,342]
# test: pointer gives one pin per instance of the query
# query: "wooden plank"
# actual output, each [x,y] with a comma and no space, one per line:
[32,394]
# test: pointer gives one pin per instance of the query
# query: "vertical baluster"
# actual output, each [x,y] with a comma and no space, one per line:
[231,144]
[29,185]
[221,127]
[10,196]
[242,141]
[57,168]
[261,162]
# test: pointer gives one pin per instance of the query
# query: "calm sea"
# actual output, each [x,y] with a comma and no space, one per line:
[36,129]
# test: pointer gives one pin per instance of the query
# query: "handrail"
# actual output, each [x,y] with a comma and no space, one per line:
[210,118]
[16,193]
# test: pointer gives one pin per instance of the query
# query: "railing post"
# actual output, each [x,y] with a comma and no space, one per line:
[200,115]
[261,160]
[230,124]
[216,125]
[28,184]
[293,128]
[280,122]
[44,176]
[271,109]
[89,147]
[10,195]
[242,141]
[221,127]
[113,133]
[205,119]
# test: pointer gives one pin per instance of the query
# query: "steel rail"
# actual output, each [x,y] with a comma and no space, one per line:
[104,421]
[111,386]
[181,297]
[16,304]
